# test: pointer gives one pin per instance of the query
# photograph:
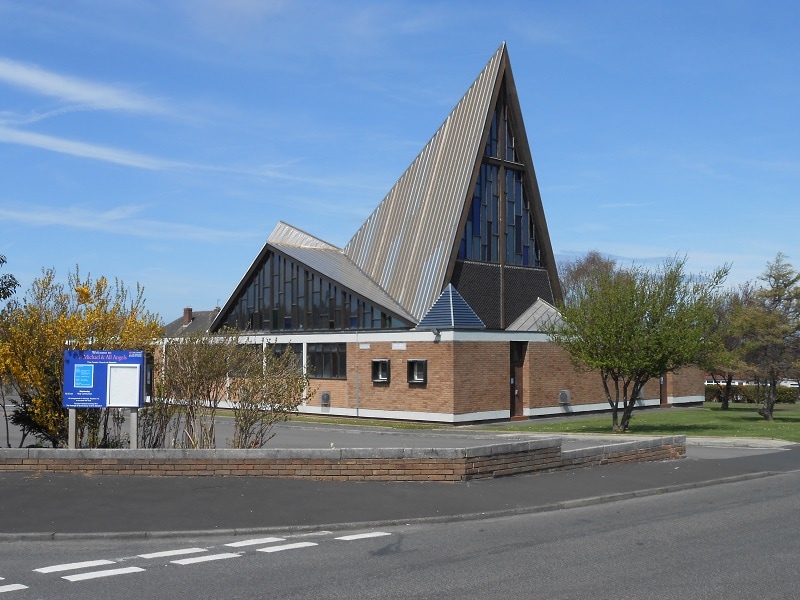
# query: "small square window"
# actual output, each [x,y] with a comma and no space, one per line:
[380,370]
[417,371]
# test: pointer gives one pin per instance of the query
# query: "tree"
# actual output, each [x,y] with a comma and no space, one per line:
[8,285]
[199,374]
[768,325]
[574,273]
[723,360]
[85,314]
[267,390]
[631,325]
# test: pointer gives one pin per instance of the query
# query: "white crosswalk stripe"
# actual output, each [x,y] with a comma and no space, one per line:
[12,587]
[256,542]
[178,552]
[362,536]
[106,573]
[287,547]
[74,566]
[205,558]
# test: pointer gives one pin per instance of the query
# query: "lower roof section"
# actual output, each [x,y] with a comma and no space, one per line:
[394,336]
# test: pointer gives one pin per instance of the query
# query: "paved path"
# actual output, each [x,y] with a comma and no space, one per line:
[63,506]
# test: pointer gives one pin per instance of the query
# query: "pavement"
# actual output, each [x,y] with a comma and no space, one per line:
[37,506]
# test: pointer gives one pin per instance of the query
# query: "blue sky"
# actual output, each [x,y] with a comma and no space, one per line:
[160,142]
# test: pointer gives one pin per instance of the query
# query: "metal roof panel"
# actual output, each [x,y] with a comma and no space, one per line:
[406,242]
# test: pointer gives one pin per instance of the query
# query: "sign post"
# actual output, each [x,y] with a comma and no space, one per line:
[103,379]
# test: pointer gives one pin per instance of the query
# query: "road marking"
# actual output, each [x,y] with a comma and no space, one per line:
[362,536]
[206,558]
[98,574]
[172,553]
[12,587]
[255,542]
[74,566]
[288,547]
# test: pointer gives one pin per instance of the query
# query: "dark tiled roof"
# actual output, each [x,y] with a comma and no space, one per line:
[200,323]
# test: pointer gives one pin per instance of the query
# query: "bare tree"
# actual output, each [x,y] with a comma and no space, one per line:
[265,391]
[200,374]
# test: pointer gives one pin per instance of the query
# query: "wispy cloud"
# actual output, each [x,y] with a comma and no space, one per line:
[73,90]
[121,220]
[85,150]
[153,163]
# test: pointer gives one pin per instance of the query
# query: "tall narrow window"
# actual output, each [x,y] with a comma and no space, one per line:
[499,226]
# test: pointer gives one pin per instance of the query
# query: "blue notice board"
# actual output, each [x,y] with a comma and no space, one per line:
[103,378]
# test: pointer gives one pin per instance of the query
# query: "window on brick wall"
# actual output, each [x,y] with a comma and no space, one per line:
[417,371]
[327,361]
[381,370]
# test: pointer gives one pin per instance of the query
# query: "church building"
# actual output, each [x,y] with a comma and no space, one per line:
[434,310]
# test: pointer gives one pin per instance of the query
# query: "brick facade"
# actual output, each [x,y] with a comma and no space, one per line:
[548,370]
[472,378]
[448,464]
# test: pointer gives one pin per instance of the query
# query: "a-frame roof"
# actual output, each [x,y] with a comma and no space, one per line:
[406,243]
[402,257]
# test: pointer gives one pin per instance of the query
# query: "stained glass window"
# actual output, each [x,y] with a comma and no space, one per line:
[285,296]
[499,202]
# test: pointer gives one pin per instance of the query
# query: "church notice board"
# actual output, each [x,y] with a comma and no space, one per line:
[103,378]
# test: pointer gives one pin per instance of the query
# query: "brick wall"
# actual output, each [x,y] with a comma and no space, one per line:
[473,377]
[548,370]
[436,395]
[448,464]
[463,377]
[689,381]
[481,376]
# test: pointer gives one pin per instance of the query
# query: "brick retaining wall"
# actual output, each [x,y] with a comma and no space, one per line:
[352,464]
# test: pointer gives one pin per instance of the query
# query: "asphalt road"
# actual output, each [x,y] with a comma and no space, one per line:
[735,540]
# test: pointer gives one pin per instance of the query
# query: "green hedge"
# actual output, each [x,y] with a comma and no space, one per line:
[754,393]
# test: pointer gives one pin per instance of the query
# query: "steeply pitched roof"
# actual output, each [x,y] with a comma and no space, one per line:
[336,266]
[406,243]
[322,257]
[404,254]
[288,235]
[538,316]
[450,311]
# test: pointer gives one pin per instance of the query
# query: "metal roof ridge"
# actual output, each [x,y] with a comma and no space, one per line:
[400,241]
[282,228]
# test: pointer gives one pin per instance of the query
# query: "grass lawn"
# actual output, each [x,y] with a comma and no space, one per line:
[363,422]
[741,420]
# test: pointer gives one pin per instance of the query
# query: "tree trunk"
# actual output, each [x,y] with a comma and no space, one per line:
[626,416]
[726,392]
[613,403]
[5,414]
[770,396]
